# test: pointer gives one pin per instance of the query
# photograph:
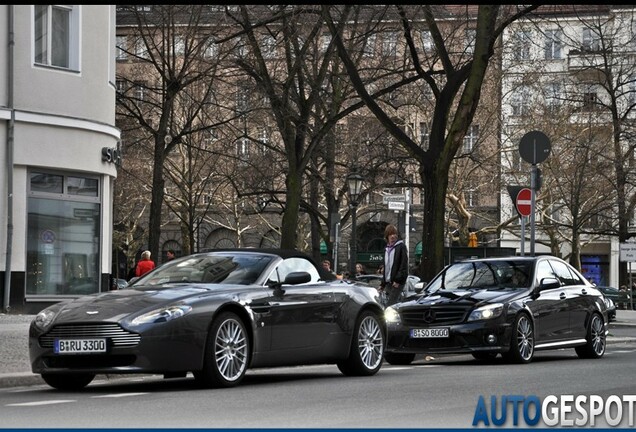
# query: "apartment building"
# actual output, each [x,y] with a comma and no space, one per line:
[59,154]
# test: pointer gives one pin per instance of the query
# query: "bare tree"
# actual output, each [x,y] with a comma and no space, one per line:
[455,75]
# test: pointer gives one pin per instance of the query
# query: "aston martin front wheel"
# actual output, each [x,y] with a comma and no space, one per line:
[227,352]
[367,347]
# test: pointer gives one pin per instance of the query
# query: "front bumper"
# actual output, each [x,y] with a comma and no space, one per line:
[480,336]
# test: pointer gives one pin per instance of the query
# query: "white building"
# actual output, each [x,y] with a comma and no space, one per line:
[58,152]
[564,71]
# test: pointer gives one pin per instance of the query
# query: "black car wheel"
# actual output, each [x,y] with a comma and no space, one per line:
[227,353]
[595,345]
[68,381]
[399,359]
[522,342]
[367,347]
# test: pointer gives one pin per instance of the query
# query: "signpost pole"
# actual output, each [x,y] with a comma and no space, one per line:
[523,235]
[533,189]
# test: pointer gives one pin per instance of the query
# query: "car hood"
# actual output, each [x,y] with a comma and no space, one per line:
[118,304]
[463,297]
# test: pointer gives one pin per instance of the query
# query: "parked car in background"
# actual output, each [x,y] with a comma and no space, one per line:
[214,314]
[510,306]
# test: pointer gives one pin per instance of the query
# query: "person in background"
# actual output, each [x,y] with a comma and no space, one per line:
[327,266]
[360,270]
[170,255]
[396,265]
[145,264]
[380,270]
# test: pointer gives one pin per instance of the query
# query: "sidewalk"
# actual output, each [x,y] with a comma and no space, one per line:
[15,369]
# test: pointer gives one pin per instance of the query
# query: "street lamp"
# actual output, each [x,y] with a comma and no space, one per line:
[354,181]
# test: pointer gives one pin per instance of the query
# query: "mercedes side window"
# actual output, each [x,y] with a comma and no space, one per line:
[544,270]
[563,273]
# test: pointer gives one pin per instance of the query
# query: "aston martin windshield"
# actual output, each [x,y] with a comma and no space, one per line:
[209,269]
[484,275]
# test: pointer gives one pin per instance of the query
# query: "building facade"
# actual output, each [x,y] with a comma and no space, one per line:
[59,152]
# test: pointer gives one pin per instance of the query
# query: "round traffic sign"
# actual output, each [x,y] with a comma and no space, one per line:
[534,147]
[524,202]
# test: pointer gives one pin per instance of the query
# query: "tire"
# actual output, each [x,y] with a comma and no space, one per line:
[522,340]
[485,356]
[76,381]
[399,359]
[596,340]
[367,347]
[227,353]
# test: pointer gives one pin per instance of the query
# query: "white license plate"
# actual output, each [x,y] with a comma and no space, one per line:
[79,346]
[438,332]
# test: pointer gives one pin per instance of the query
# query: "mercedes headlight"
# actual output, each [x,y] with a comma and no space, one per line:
[391,316]
[486,312]
[162,315]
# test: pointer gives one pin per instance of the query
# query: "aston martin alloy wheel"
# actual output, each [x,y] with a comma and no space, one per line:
[367,347]
[227,352]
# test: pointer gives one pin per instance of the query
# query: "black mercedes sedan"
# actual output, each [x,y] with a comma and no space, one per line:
[215,314]
[511,306]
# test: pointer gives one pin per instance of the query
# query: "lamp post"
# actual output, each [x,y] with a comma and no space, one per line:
[354,182]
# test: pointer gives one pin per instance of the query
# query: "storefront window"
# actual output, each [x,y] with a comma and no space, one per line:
[63,236]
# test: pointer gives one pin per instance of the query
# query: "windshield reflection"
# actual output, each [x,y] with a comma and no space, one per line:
[208,269]
[484,275]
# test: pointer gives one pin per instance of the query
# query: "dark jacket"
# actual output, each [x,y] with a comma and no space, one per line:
[400,269]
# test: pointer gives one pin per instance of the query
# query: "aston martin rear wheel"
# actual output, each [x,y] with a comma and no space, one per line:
[227,352]
[595,345]
[75,381]
[367,347]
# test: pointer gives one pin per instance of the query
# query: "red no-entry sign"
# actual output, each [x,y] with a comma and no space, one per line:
[524,202]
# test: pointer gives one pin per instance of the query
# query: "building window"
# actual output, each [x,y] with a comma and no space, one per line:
[140,48]
[591,41]
[470,139]
[56,39]
[553,96]
[469,40]
[140,91]
[553,44]
[520,102]
[122,47]
[369,46]
[243,148]
[268,47]
[63,235]
[424,136]
[427,42]
[325,41]
[590,101]
[389,44]
[522,42]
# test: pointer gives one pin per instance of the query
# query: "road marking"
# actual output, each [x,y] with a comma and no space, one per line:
[118,395]
[48,402]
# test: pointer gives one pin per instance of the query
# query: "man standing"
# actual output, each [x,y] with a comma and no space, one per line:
[396,265]
[145,264]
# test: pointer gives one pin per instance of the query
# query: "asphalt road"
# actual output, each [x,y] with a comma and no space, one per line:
[442,392]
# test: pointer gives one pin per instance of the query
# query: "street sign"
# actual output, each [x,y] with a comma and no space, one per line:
[627,252]
[396,205]
[388,198]
[534,147]
[524,202]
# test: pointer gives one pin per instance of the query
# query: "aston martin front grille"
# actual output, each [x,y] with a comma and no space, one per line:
[434,315]
[118,336]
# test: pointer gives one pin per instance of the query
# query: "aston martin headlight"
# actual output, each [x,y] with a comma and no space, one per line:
[161,315]
[44,318]
[391,316]
[486,312]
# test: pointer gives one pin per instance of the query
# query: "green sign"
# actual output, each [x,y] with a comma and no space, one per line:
[373,257]
[418,249]
[323,247]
